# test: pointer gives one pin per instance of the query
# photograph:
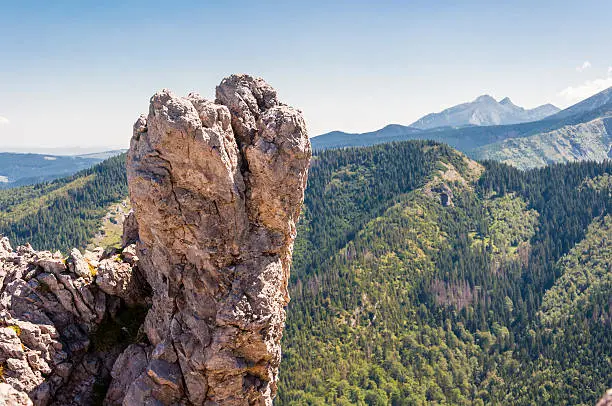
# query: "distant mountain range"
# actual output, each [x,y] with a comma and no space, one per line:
[485,110]
[17,169]
[593,103]
[63,151]
[580,132]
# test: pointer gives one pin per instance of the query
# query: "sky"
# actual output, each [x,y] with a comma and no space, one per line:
[78,73]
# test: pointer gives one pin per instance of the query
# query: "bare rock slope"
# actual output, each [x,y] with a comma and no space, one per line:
[216,189]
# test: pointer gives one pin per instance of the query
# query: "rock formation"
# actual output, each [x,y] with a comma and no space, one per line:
[57,345]
[216,189]
[606,400]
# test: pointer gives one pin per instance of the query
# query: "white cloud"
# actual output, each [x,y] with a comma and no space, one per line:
[587,89]
[585,65]
[609,70]
[4,120]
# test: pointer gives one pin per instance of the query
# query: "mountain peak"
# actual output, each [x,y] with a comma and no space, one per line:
[485,98]
[591,104]
[483,111]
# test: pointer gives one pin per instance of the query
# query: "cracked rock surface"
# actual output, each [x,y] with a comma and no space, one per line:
[216,188]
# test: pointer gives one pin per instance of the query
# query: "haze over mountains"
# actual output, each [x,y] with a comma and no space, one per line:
[484,110]
[18,169]
[580,132]
[483,129]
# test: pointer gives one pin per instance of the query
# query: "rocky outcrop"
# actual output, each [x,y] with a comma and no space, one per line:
[216,189]
[53,315]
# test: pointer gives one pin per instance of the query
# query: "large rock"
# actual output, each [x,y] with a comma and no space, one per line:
[216,189]
[51,309]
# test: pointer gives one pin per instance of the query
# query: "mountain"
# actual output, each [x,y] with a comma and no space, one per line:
[420,276]
[577,133]
[591,140]
[18,169]
[592,103]
[465,139]
[336,139]
[484,111]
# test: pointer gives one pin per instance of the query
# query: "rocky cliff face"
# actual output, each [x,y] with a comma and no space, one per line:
[216,189]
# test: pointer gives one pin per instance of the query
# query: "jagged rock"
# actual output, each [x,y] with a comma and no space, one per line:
[127,368]
[49,312]
[79,265]
[216,189]
[130,230]
[129,254]
[118,278]
[9,396]
[440,191]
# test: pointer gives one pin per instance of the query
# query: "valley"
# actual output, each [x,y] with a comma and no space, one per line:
[418,275]
[402,203]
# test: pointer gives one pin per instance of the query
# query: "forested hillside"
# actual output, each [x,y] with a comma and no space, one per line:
[418,299]
[64,213]
[591,141]
[419,276]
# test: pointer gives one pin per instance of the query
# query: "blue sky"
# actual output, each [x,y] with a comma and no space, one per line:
[78,73]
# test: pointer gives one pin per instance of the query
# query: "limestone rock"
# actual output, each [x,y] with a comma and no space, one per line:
[440,191]
[216,189]
[130,230]
[50,310]
[9,396]
[118,278]
[127,368]
[79,265]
